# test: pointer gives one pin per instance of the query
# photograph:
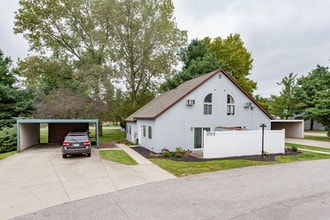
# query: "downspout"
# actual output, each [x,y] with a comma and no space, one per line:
[18,136]
[97,133]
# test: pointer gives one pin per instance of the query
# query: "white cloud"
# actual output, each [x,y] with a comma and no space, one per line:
[283,36]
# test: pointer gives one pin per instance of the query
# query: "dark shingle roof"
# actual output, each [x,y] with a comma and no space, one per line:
[167,99]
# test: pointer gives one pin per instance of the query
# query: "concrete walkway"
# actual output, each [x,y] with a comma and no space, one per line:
[39,177]
[135,155]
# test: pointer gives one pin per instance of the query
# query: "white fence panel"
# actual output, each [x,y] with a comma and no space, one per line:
[219,144]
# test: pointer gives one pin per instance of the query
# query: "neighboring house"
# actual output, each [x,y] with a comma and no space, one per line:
[178,117]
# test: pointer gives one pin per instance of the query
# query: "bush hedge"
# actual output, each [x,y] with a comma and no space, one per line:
[8,139]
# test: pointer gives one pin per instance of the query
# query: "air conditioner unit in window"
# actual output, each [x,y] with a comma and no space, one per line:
[190,102]
[247,104]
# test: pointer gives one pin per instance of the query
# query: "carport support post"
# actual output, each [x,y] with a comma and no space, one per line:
[263,125]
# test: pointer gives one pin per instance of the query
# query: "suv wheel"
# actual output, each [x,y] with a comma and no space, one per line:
[88,154]
[64,155]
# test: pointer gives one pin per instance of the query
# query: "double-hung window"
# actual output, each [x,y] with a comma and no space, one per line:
[208,104]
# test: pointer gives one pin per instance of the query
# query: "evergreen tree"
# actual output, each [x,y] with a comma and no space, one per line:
[14,102]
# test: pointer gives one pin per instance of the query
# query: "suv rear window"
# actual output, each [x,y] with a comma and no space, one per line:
[76,138]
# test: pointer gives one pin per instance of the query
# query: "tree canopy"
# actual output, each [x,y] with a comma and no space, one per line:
[203,56]
[105,41]
[14,102]
[313,94]
[235,58]
[284,105]
[196,59]
[306,97]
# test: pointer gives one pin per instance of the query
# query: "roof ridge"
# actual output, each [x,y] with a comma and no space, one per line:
[166,100]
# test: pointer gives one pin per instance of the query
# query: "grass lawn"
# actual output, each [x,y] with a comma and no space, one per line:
[308,147]
[43,136]
[109,134]
[118,156]
[317,138]
[179,168]
[8,154]
[301,157]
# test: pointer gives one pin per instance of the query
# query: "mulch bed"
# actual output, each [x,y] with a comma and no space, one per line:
[271,158]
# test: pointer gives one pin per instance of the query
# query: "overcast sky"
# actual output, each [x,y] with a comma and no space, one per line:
[283,36]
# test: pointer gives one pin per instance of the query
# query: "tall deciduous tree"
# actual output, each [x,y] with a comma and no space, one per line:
[136,39]
[69,29]
[146,41]
[202,56]
[235,58]
[284,105]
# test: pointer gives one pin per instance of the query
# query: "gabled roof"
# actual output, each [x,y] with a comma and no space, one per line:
[166,100]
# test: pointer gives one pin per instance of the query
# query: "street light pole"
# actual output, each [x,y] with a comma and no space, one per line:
[263,125]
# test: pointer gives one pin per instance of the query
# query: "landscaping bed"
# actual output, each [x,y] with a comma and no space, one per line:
[269,158]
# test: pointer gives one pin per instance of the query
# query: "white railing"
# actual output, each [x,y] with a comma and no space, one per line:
[219,144]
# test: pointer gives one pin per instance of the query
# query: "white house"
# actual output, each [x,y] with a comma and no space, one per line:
[178,117]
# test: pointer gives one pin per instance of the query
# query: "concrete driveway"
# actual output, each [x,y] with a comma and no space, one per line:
[39,177]
[298,190]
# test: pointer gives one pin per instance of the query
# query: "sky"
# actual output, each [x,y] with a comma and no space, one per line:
[283,36]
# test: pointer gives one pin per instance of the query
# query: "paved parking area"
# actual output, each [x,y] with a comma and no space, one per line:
[39,177]
[298,190]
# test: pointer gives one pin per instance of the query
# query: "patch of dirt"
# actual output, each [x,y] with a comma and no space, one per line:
[108,144]
[271,158]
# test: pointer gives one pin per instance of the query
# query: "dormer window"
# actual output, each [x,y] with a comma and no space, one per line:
[230,105]
[208,104]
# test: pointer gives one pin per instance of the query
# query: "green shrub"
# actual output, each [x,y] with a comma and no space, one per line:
[8,139]
[126,142]
[178,149]
[178,155]
[294,148]
[266,154]
[166,154]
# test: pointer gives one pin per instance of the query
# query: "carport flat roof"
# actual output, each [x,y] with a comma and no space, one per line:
[287,120]
[57,120]
[54,121]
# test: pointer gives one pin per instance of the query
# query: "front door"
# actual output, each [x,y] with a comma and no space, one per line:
[199,137]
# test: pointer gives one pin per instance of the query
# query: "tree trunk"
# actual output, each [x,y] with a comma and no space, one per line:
[100,129]
[133,99]
[311,127]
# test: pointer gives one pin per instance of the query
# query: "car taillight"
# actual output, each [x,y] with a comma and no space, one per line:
[87,142]
[66,143]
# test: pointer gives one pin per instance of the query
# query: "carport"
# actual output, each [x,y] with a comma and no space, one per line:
[293,128]
[28,130]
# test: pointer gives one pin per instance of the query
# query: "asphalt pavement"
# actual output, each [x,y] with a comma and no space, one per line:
[299,190]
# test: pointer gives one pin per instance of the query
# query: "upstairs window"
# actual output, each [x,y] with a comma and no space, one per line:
[230,105]
[208,104]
